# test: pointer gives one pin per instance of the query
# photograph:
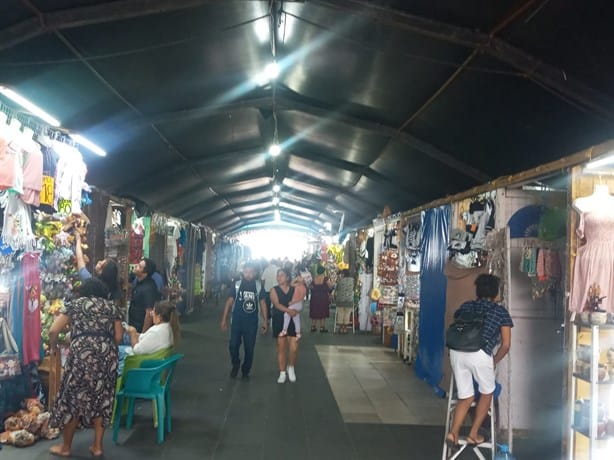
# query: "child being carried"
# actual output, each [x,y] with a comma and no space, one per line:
[300,284]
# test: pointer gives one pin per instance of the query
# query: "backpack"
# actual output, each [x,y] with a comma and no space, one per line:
[465,333]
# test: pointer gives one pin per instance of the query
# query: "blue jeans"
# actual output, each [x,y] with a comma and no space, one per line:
[245,331]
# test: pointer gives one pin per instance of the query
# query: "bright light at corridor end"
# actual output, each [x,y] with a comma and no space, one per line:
[276,243]
[29,106]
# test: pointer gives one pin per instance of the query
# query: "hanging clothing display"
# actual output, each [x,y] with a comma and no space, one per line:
[11,158]
[172,235]
[69,178]
[594,260]
[17,227]
[31,309]
[364,306]
[32,172]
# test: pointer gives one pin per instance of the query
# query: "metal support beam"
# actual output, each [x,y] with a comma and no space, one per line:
[287,100]
[95,14]
[545,74]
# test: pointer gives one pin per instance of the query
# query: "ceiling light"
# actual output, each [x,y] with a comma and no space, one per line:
[277,216]
[276,188]
[88,145]
[275,200]
[272,70]
[605,160]
[274,149]
[29,106]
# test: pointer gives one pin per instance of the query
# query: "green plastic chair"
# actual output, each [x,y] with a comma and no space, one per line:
[133,362]
[151,381]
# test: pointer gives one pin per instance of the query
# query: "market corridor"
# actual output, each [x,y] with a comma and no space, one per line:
[215,417]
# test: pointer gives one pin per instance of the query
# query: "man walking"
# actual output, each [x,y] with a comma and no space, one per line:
[244,298]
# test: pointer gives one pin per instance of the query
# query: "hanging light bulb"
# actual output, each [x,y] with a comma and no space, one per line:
[274,149]
[276,188]
[275,200]
[277,216]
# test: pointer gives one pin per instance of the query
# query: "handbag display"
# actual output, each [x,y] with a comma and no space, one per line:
[10,365]
[465,333]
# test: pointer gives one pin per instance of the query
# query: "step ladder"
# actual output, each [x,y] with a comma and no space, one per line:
[489,444]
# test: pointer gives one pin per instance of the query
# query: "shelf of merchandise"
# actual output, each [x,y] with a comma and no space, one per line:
[597,445]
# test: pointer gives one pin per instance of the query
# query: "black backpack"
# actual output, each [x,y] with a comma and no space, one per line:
[465,333]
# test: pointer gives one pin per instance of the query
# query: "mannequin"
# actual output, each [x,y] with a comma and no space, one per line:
[599,200]
[594,263]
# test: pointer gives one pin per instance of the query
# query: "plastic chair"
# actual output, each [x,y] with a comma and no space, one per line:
[151,381]
[134,362]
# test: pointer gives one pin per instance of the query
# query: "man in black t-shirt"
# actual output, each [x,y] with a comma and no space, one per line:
[144,295]
[244,321]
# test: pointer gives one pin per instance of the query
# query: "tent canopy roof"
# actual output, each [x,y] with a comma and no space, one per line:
[378,103]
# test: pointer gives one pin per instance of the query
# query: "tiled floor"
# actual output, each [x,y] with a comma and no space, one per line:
[353,400]
[371,385]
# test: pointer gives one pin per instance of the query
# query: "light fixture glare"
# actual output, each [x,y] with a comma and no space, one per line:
[274,150]
[604,160]
[272,70]
[88,145]
[275,200]
[29,106]
[276,188]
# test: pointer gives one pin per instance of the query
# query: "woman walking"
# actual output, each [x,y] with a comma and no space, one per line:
[281,296]
[87,389]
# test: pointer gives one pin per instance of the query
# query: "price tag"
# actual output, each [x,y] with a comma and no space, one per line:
[47,190]
[64,206]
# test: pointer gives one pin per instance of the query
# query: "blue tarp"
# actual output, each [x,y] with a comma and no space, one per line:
[433,283]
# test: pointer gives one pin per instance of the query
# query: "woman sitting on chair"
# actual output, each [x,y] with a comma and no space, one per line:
[163,334]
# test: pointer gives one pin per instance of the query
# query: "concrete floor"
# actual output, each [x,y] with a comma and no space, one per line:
[353,400]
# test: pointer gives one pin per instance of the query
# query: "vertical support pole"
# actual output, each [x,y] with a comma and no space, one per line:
[508,289]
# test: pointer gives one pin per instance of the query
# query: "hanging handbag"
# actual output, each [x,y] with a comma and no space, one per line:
[465,333]
[10,365]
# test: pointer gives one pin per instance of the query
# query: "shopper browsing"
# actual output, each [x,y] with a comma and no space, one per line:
[300,284]
[479,365]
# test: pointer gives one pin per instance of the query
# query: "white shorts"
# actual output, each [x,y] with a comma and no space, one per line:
[470,366]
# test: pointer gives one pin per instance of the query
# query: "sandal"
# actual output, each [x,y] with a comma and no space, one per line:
[313,328]
[474,442]
[452,441]
[323,329]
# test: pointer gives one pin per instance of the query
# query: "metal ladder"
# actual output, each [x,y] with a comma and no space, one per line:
[490,444]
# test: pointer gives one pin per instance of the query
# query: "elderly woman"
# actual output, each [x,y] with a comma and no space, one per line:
[163,334]
[87,389]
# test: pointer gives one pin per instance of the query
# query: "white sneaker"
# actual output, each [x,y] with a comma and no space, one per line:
[282,377]
[291,374]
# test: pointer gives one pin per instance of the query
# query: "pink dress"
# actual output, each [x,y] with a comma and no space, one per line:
[594,260]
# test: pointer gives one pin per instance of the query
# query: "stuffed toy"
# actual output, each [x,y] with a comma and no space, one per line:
[28,425]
